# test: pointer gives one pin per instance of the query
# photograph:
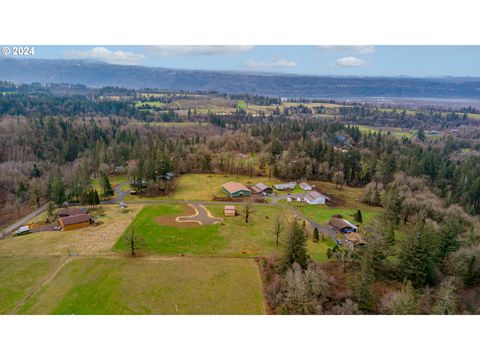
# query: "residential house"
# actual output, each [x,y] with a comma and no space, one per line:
[235,189]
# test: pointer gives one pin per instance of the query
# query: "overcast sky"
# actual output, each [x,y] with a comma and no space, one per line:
[315,60]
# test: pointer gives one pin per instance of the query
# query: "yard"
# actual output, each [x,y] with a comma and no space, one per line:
[231,238]
[152,286]
[112,221]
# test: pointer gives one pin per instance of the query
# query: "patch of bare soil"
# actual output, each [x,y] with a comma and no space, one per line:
[170,220]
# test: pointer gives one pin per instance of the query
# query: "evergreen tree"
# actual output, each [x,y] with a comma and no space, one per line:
[316,235]
[107,190]
[363,285]
[416,259]
[358,217]
[295,247]
[448,238]
[58,189]
[22,194]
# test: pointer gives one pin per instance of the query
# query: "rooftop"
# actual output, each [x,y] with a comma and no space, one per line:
[232,187]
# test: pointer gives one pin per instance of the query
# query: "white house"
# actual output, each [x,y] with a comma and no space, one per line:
[287,186]
[305,186]
[315,198]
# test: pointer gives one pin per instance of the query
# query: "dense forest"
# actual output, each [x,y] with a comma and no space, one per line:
[55,142]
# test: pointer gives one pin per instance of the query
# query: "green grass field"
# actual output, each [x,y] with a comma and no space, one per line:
[322,214]
[231,238]
[241,104]
[19,276]
[152,286]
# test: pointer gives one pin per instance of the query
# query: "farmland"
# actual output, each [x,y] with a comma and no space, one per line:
[152,286]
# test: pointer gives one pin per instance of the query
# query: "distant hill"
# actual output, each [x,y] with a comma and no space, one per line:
[97,74]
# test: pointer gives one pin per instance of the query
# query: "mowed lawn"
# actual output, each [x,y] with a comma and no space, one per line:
[152,286]
[21,275]
[205,186]
[233,237]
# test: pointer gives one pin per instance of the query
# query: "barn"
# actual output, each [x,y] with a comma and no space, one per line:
[235,189]
[315,198]
[305,186]
[74,221]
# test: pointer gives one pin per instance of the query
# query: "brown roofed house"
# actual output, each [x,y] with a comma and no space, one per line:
[70,212]
[74,221]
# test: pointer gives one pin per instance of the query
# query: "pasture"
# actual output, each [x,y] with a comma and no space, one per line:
[19,276]
[152,286]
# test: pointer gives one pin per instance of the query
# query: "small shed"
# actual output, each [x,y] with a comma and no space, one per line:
[75,222]
[235,189]
[229,210]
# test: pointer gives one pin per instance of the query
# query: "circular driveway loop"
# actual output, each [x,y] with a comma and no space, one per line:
[202,216]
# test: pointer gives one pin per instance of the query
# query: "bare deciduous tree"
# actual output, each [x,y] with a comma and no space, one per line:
[247,210]
[133,241]
[277,228]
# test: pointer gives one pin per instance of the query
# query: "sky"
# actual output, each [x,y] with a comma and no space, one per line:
[368,60]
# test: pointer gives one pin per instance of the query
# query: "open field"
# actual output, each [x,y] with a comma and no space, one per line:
[152,286]
[233,237]
[205,186]
[90,240]
[322,214]
[19,276]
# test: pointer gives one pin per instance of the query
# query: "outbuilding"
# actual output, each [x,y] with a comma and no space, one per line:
[71,212]
[286,186]
[261,188]
[235,189]
[229,210]
[305,186]
[75,222]
[316,198]
[342,225]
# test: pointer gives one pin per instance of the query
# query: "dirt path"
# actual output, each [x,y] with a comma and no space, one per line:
[47,281]
[202,216]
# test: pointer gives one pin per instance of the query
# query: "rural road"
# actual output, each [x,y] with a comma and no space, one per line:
[22,221]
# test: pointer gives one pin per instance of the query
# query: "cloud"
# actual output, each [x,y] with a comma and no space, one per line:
[103,54]
[194,50]
[275,63]
[349,61]
[353,49]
